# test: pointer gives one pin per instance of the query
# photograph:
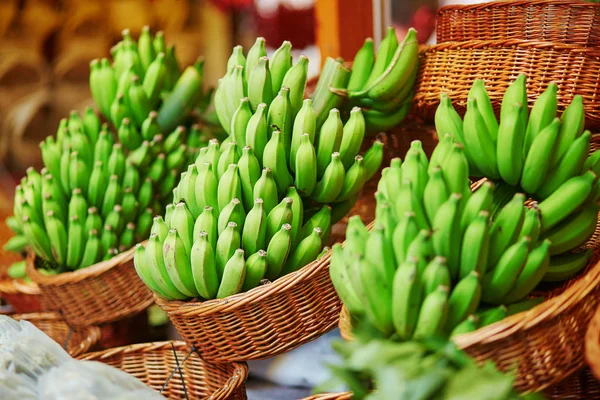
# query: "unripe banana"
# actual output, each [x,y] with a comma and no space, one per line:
[227,243]
[234,275]
[534,270]
[183,222]
[79,173]
[354,180]
[127,238]
[481,200]
[471,324]
[295,79]
[177,264]
[482,150]
[237,57]
[160,228]
[229,187]
[568,166]
[422,248]
[392,179]
[281,62]
[116,161]
[377,300]
[51,157]
[279,215]
[516,93]
[255,53]
[255,228]
[566,266]
[206,187]
[373,158]
[239,122]
[305,122]
[380,253]
[502,278]
[150,127]
[145,193]
[532,225]
[385,54]
[174,139]
[537,162]
[456,171]
[306,167]
[352,137]
[207,222]
[511,135]
[91,251]
[77,205]
[37,238]
[274,157]
[108,241]
[50,204]
[448,121]
[281,116]
[542,114]
[278,251]
[139,102]
[329,141]
[256,266]
[229,156]
[305,253]
[404,234]
[566,199]
[484,104]
[140,156]
[327,94]
[332,182]
[115,219]
[505,229]
[142,267]
[339,274]
[446,241]
[266,189]
[464,300]
[57,233]
[492,315]
[436,273]
[435,194]
[433,314]
[573,123]
[204,270]
[233,212]
[475,246]
[573,232]
[405,202]
[362,66]
[407,295]
[257,131]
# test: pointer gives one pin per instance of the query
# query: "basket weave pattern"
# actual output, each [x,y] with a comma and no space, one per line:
[153,363]
[570,22]
[78,340]
[104,292]
[452,67]
[592,344]
[330,396]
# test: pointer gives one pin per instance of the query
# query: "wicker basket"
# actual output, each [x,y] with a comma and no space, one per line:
[330,396]
[570,22]
[104,292]
[23,297]
[452,67]
[76,341]
[153,363]
[592,344]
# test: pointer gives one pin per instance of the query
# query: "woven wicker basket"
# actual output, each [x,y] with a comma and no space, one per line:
[153,363]
[330,396]
[23,297]
[452,67]
[76,341]
[592,344]
[104,292]
[570,22]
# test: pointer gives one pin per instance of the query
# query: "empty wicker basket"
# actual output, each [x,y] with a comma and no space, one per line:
[153,363]
[452,67]
[76,341]
[561,21]
[104,292]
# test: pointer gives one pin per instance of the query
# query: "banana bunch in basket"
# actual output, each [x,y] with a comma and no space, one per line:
[144,80]
[383,85]
[94,198]
[435,251]
[538,153]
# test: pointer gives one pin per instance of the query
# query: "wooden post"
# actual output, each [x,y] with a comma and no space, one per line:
[342,26]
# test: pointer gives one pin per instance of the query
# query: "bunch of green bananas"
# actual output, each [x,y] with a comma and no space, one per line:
[435,252]
[221,251]
[95,199]
[143,77]
[383,85]
[535,152]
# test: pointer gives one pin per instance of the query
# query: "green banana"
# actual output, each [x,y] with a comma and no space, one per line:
[532,225]
[433,313]
[463,301]
[385,54]
[228,157]
[422,248]
[281,62]
[492,315]
[257,51]
[255,228]
[266,189]
[435,193]
[274,157]
[229,187]
[448,121]
[339,274]
[505,229]
[566,266]
[482,150]
[203,265]
[91,251]
[354,180]
[260,88]
[257,130]
[37,238]
[57,233]
[516,93]
[445,241]
[249,172]
[362,66]
[239,122]
[475,246]
[502,278]
[281,116]
[227,243]
[436,274]
[207,222]
[542,114]
[256,267]
[352,137]
[307,251]
[511,135]
[206,186]
[469,325]
[234,274]
[305,122]
[306,167]
[177,264]
[573,123]
[573,232]
[332,182]
[537,161]
[481,200]
[329,141]
[279,215]
[407,296]
[534,270]
[295,79]
[373,158]
[277,252]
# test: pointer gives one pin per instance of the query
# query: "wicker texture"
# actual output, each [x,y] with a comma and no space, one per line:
[570,22]
[104,292]
[592,344]
[153,363]
[452,67]
[78,341]
[330,396]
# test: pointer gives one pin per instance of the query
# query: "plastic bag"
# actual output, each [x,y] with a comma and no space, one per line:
[33,366]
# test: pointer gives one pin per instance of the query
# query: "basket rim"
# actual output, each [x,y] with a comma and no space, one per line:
[513,3]
[79,274]
[92,333]
[592,344]
[230,303]
[18,286]
[505,43]
[235,381]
